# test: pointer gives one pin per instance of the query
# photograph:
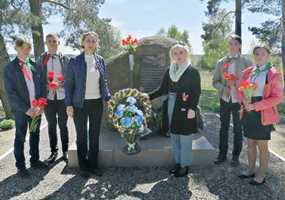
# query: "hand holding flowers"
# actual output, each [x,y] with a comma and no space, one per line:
[53,84]
[37,109]
[247,89]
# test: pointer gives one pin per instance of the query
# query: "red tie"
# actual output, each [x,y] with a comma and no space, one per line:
[25,70]
[46,59]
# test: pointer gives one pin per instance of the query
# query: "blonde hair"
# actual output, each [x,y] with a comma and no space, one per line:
[89,33]
[178,46]
[20,42]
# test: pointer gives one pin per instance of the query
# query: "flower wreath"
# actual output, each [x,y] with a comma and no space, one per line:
[136,101]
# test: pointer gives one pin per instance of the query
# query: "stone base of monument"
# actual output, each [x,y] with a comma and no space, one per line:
[155,152]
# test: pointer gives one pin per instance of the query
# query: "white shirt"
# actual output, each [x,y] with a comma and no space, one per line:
[31,86]
[260,82]
[92,90]
[54,65]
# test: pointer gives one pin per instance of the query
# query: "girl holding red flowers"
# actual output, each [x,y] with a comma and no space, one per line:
[182,84]
[260,112]
[225,79]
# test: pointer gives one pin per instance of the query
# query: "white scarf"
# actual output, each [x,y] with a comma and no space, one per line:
[177,70]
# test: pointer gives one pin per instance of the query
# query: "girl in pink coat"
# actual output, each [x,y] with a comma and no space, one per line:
[259,112]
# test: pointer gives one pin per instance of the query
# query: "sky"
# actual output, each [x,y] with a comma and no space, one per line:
[145,17]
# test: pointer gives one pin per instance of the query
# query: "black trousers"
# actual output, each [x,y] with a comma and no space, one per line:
[88,141]
[22,122]
[56,114]
[226,111]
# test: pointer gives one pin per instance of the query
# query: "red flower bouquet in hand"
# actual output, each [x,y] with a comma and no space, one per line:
[247,89]
[229,76]
[52,83]
[37,106]
[130,44]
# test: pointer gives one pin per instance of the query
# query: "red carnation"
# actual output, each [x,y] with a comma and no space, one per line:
[35,103]
[50,76]
[42,102]
[60,78]
[52,85]
[226,65]
[229,76]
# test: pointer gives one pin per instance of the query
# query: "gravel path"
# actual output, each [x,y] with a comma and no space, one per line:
[213,182]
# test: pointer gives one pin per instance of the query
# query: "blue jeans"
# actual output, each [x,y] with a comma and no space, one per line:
[22,122]
[181,144]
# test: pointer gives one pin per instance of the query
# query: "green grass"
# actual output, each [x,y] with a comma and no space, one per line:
[281,109]
[209,100]
[6,140]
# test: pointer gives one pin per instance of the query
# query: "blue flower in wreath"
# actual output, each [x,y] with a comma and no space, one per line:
[126,122]
[121,107]
[132,108]
[119,113]
[138,120]
[120,110]
[131,100]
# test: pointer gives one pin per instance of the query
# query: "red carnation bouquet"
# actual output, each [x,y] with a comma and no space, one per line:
[37,105]
[130,44]
[247,89]
[229,77]
[53,84]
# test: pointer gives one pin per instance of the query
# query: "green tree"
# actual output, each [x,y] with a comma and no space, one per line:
[175,33]
[271,32]
[214,38]
[12,22]
[83,18]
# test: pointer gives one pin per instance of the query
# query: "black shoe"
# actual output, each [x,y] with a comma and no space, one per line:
[174,169]
[246,176]
[65,157]
[254,182]
[220,160]
[51,159]
[96,172]
[181,172]
[235,163]
[24,173]
[39,165]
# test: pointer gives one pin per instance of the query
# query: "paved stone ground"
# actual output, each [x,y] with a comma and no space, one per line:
[209,183]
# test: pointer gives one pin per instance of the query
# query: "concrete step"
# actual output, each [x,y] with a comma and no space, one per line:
[155,152]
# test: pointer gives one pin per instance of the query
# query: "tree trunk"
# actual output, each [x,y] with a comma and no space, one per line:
[238,18]
[4,59]
[283,38]
[37,27]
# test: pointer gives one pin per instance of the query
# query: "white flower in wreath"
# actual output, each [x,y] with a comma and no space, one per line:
[131,100]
